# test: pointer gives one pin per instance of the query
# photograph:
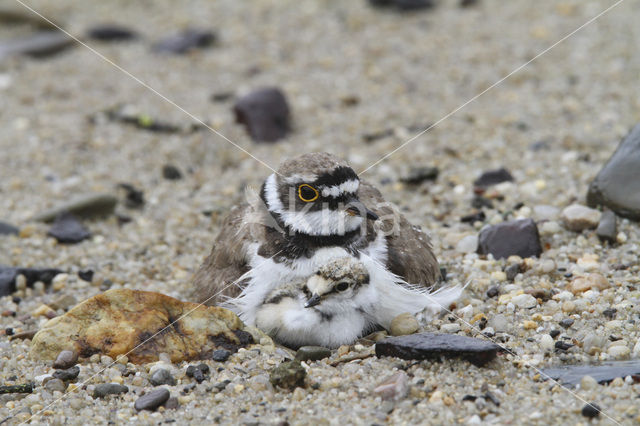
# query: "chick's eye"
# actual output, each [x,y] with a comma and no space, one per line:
[342,286]
[307,193]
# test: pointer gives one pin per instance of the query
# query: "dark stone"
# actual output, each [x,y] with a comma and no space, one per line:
[554,333]
[198,372]
[607,228]
[204,368]
[591,410]
[512,271]
[492,397]
[220,355]
[171,172]
[8,229]
[566,322]
[562,345]
[616,185]
[603,373]
[67,229]
[111,32]
[222,385]
[134,198]
[493,177]
[86,207]
[288,375]
[162,377]
[312,353]
[493,291]
[172,403]
[610,313]
[221,96]
[8,277]
[433,346]
[468,3]
[473,217]
[421,174]
[404,5]
[24,388]
[516,237]
[152,400]
[479,202]
[122,114]
[265,114]
[86,275]
[38,45]
[103,389]
[66,359]
[186,41]
[68,374]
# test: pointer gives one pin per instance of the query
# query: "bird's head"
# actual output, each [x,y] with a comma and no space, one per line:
[316,194]
[336,281]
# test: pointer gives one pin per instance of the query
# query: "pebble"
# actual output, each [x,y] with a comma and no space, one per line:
[619,352]
[593,281]
[64,302]
[451,328]
[55,385]
[546,342]
[39,44]
[394,388]
[8,229]
[493,291]
[101,390]
[67,374]
[525,301]
[111,32]
[607,228]
[85,207]
[171,172]
[66,359]
[152,400]
[220,355]
[265,114]
[616,186]
[578,218]
[511,271]
[197,372]
[591,410]
[404,5]
[588,383]
[162,377]
[186,41]
[404,324]
[566,323]
[288,375]
[468,244]
[421,174]
[493,177]
[134,198]
[312,353]
[20,278]
[518,237]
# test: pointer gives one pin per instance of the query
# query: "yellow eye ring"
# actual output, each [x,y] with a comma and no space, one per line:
[315,196]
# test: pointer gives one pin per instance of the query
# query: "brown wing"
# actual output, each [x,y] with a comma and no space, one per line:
[226,262]
[410,255]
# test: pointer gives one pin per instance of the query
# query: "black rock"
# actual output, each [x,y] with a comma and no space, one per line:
[404,5]
[86,275]
[222,385]
[86,207]
[493,177]
[566,322]
[433,346]
[66,359]
[516,237]
[152,400]
[171,172]
[162,377]
[511,271]
[68,374]
[24,388]
[111,32]
[103,389]
[312,353]
[185,41]
[37,45]
[473,217]
[468,3]
[67,229]
[479,202]
[134,198]
[554,333]
[616,185]
[265,114]
[198,372]
[610,313]
[493,291]
[288,375]
[8,277]
[591,410]
[607,228]
[562,345]
[602,373]
[421,174]
[8,229]
[220,355]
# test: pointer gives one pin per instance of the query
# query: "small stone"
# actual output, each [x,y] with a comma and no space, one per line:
[546,342]
[152,400]
[566,323]
[67,374]
[64,302]
[525,301]
[394,388]
[22,388]
[40,44]
[172,403]
[67,229]
[134,198]
[518,237]
[186,41]
[65,359]
[420,174]
[103,389]
[83,207]
[562,345]
[493,291]
[220,355]
[610,313]
[195,372]
[493,177]
[530,325]
[404,5]
[162,377]
[619,352]
[592,281]
[404,324]
[450,328]
[111,32]
[468,244]
[20,278]
[7,229]
[288,375]
[171,172]
[55,385]
[578,218]
[607,228]
[265,113]
[312,353]
[588,383]
[591,410]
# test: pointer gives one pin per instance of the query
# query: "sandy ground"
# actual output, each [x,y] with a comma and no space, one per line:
[406,70]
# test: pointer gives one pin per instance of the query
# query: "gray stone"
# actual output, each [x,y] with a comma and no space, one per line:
[578,218]
[55,385]
[67,229]
[288,375]
[162,377]
[607,228]
[616,185]
[394,388]
[103,389]
[220,355]
[40,44]
[265,113]
[603,373]
[8,229]
[86,207]
[67,374]
[152,400]
[517,237]
[312,353]
[8,277]
[65,359]
[187,40]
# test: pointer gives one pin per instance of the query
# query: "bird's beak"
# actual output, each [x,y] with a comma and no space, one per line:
[354,210]
[312,301]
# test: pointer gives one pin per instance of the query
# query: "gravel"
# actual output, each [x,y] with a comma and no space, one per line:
[576,101]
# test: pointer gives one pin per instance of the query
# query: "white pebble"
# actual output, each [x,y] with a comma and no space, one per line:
[546,342]
[453,327]
[619,352]
[468,244]
[525,301]
[588,383]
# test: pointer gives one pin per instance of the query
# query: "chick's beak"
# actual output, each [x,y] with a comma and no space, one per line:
[312,301]
[355,210]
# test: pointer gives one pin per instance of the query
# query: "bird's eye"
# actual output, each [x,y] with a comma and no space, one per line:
[342,286]
[307,193]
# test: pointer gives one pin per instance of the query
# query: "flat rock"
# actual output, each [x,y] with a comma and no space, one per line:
[152,400]
[85,207]
[65,359]
[38,45]
[101,390]
[493,177]
[312,353]
[67,374]
[8,229]
[578,218]
[404,5]
[186,41]
[616,185]
[119,321]
[421,174]
[171,172]
[112,33]
[434,346]
[603,373]
[516,237]
[162,377]
[67,229]
[265,114]
[8,277]
[288,375]
[607,229]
